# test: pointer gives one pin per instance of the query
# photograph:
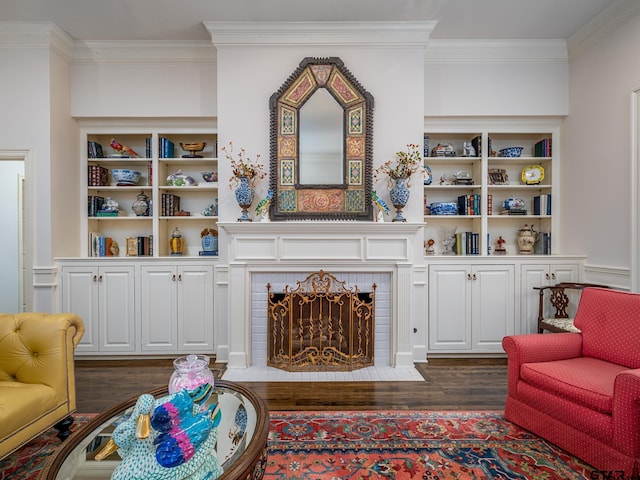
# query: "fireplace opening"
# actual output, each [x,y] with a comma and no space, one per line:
[320,325]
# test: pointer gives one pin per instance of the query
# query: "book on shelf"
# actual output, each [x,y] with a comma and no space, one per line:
[147,148]
[94,204]
[166,148]
[467,243]
[543,245]
[542,204]
[170,204]
[99,245]
[489,204]
[97,176]
[94,150]
[140,246]
[469,204]
[542,148]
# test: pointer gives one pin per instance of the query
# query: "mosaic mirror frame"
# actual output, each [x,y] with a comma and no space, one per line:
[350,200]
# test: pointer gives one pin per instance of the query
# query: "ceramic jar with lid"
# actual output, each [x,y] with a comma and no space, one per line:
[526,239]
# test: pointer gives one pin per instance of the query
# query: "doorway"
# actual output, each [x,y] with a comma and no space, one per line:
[13,264]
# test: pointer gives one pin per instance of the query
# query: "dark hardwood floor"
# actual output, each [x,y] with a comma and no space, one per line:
[450,384]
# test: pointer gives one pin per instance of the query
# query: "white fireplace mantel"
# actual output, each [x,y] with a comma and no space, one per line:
[352,247]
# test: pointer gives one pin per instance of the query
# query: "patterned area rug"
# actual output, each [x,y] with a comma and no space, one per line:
[411,445]
[26,463]
[390,445]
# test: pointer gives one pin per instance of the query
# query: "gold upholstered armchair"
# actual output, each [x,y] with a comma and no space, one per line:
[37,379]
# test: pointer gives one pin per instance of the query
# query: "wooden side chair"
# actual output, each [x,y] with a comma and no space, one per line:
[559,297]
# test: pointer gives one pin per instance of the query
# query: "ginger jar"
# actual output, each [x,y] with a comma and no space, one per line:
[526,240]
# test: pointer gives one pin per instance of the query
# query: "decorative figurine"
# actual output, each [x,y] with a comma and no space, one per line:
[448,240]
[468,150]
[169,438]
[110,205]
[381,205]
[263,207]
[123,150]
[178,179]
[115,249]
[500,250]
[430,249]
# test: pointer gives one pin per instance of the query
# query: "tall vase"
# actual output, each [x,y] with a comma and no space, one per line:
[244,197]
[399,196]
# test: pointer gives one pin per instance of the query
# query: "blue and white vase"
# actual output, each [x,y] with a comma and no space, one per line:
[399,196]
[210,243]
[244,197]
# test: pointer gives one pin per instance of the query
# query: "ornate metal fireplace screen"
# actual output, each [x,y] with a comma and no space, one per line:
[321,325]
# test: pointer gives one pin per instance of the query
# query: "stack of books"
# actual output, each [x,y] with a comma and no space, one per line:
[99,245]
[95,204]
[542,205]
[467,243]
[543,148]
[469,204]
[94,150]
[170,205]
[166,148]
[97,176]
[141,246]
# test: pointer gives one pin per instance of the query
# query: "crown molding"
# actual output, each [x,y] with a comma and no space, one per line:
[141,51]
[607,22]
[36,35]
[269,34]
[496,51]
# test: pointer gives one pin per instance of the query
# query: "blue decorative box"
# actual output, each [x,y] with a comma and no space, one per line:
[444,208]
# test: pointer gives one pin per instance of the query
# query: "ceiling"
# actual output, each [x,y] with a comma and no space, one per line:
[104,20]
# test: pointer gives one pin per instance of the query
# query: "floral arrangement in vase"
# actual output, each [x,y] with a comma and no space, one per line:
[404,166]
[243,167]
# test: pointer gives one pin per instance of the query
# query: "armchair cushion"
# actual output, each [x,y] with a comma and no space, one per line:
[583,380]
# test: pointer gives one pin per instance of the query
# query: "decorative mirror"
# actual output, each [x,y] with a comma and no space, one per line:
[321,145]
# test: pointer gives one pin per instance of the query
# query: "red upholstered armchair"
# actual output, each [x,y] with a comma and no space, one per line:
[581,391]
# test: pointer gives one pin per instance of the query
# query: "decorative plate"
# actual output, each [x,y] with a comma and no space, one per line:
[428,176]
[532,174]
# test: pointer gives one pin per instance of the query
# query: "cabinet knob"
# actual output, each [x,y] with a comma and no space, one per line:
[474,277]
[95,278]
[100,278]
[468,276]
[553,276]
[180,277]
[173,278]
[546,276]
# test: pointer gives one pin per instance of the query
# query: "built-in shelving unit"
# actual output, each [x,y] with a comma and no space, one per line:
[495,180]
[198,202]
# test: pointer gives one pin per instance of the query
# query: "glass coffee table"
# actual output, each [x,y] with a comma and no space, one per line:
[241,445]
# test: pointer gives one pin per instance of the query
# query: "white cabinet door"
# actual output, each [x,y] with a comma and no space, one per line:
[493,302]
[116,285]
[449,307]
[540,275]
[195,309]
[159,285]
[80,296]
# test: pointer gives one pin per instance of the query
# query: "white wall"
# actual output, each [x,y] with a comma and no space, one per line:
[393,77]
[595,212]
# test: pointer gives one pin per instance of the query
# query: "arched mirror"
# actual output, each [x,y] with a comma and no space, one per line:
[321,144]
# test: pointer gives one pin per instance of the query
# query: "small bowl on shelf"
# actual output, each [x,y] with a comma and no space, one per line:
[511,152]
[209,176]
[125,176]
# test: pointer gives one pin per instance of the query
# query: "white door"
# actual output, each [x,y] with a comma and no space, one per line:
[117,309]
[493,315]
[159,285]
[80,296]
[195,309]
[449,307]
